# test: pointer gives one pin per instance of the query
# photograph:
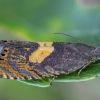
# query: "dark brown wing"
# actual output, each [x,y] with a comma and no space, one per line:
[34,60]
[66,58]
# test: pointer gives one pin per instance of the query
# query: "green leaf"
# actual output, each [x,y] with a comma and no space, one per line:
[38,82]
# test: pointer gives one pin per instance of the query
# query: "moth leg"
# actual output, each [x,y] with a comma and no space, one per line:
[81,71]
[84,66]
[52,80]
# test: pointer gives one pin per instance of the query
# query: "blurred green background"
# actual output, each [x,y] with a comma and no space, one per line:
[37,20]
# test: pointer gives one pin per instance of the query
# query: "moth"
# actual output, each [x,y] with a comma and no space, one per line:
[36,60]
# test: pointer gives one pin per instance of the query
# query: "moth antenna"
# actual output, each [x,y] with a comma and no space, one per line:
[73,38]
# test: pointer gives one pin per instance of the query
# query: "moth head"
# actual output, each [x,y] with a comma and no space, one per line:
[96,52]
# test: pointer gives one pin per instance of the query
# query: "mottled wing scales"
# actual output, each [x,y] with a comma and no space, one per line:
[66,58]
[14,60]
[35,60]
